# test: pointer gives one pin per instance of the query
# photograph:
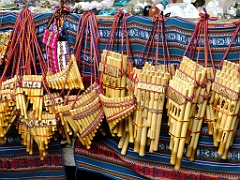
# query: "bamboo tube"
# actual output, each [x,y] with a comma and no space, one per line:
[193,129]
[159,117]
[139,122]
[230,120]
[179,126]
[107,79]
[144,116]
[138,112]
[184,130]
[122,140]
[125,145]
[155,98]
[198,130]
[151,103]
[130,132]
[225,109]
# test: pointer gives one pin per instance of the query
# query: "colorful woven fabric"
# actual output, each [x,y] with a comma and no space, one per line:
[105,157]
[178,33]
[16,163]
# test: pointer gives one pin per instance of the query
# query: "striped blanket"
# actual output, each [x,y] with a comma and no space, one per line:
[104,157]
[16,163]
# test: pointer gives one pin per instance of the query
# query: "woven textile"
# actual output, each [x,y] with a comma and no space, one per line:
[16,163]
[105,157]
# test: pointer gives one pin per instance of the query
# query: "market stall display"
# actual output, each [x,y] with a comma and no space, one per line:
[45,100]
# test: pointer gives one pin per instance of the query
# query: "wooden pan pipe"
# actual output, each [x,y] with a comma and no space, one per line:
[7,110]
[51,101]
[179,94]
[196,75]
[5,38]
[226,87]
[33,89]
[150,93]
[114,68]
[65,112]
[71,72]
[160,68]
[41,131]
[7,106]
[87,119]
[117,109]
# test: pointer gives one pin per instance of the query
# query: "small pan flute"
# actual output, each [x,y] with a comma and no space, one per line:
[68,78]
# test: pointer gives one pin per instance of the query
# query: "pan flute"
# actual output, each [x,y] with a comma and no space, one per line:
[7,111]
[226,106]
[84,116]
[68,78]
[5,38]
[196,74]
[7,106]
[179,94]
[41,131]
[114,68]
[33,89]
[188,124]
[150,92]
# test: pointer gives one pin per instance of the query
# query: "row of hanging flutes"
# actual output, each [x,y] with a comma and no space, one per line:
[226,106]
[150,93]
[68,78]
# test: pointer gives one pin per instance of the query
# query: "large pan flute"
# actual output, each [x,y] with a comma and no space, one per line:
[118,101]
[150,92]
[226,106]
[187,99]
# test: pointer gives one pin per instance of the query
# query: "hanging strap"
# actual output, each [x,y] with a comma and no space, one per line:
[231,42]
[24,47]
[201,28]
[88,23]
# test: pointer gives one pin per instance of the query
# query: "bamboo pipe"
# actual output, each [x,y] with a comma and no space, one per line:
[178,126]
[192,131]
[138,111]
[125,145]
[159,116]
[139,121]
[234,107]
[225,110]
[122,140]
[194,148]
[184,130]
[145,116]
